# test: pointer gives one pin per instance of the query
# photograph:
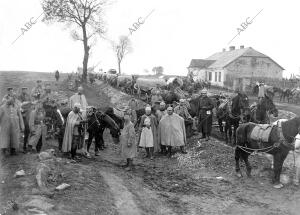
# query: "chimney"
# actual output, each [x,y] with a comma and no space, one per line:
[224,50]
[242,46]
[231,48]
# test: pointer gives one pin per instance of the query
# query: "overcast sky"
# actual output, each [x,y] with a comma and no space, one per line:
[176,32]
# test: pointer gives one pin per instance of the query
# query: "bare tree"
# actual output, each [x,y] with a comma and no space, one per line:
[122,48]
[83,17]
[158,70]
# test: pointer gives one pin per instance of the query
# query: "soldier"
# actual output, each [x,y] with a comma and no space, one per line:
[37,91]
[10,94]
[205,115]
[24,96]
[26,106]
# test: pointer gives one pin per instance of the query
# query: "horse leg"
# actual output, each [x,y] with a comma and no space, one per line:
[245,156]
[278,162]
[225,132]
[220,125]
[237,162]
[230,132]
[235,126]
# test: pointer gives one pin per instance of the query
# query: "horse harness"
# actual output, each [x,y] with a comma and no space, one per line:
[282,140]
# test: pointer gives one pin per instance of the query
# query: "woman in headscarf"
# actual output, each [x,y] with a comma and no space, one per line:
[146,139]
[153,125]
[128,141]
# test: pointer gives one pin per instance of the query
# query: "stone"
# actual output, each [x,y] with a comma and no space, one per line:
[42,175]
[39,203]
[48,154]
[19,173]
[63,186]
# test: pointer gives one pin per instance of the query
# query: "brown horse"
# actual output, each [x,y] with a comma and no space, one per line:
[279,143]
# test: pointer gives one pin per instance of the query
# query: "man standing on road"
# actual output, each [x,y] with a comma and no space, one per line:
[37,91]
[205,115]
[171,131]
[11,124]
[73,137]
[26,108]
[79,97]
[38,129]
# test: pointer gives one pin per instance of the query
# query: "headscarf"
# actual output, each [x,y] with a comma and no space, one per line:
[77,105]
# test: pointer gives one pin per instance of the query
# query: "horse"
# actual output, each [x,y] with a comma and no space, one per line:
[286,93]
[97,122]
[232,112]
[259,113]
[170,97]
[280,142]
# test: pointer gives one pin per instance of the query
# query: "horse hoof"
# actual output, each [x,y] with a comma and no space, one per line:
[278,186]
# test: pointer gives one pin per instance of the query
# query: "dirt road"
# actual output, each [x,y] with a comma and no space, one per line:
[200,182]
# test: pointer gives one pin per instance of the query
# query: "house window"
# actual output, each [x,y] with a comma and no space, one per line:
[216,76]
[210,76]
[219,76]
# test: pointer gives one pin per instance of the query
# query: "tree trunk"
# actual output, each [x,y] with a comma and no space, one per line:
[86,55]
[119,65]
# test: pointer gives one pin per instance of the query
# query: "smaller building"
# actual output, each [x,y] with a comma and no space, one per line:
[235,68]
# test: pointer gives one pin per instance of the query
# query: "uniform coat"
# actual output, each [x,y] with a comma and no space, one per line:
[11,122]
[37,129]
[205,107]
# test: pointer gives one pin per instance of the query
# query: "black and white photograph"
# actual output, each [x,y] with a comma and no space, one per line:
[149,107]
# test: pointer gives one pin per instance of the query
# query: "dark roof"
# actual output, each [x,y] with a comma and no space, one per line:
[200,63]
[222,59]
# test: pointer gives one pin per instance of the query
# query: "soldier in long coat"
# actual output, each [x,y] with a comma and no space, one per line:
[38,129]
[11,123]
[205,107]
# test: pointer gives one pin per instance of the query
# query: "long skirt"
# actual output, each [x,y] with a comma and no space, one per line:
[146,139]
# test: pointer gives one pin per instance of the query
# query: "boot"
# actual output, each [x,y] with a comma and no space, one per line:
[13,151]
[151,153]
[147,152]
[163,149]
[130,165]
[127,163]
[182,150]
[170,151]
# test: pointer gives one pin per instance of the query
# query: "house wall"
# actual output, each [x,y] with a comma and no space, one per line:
[198,74]
[203,74]
[254,67]
[217,76]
